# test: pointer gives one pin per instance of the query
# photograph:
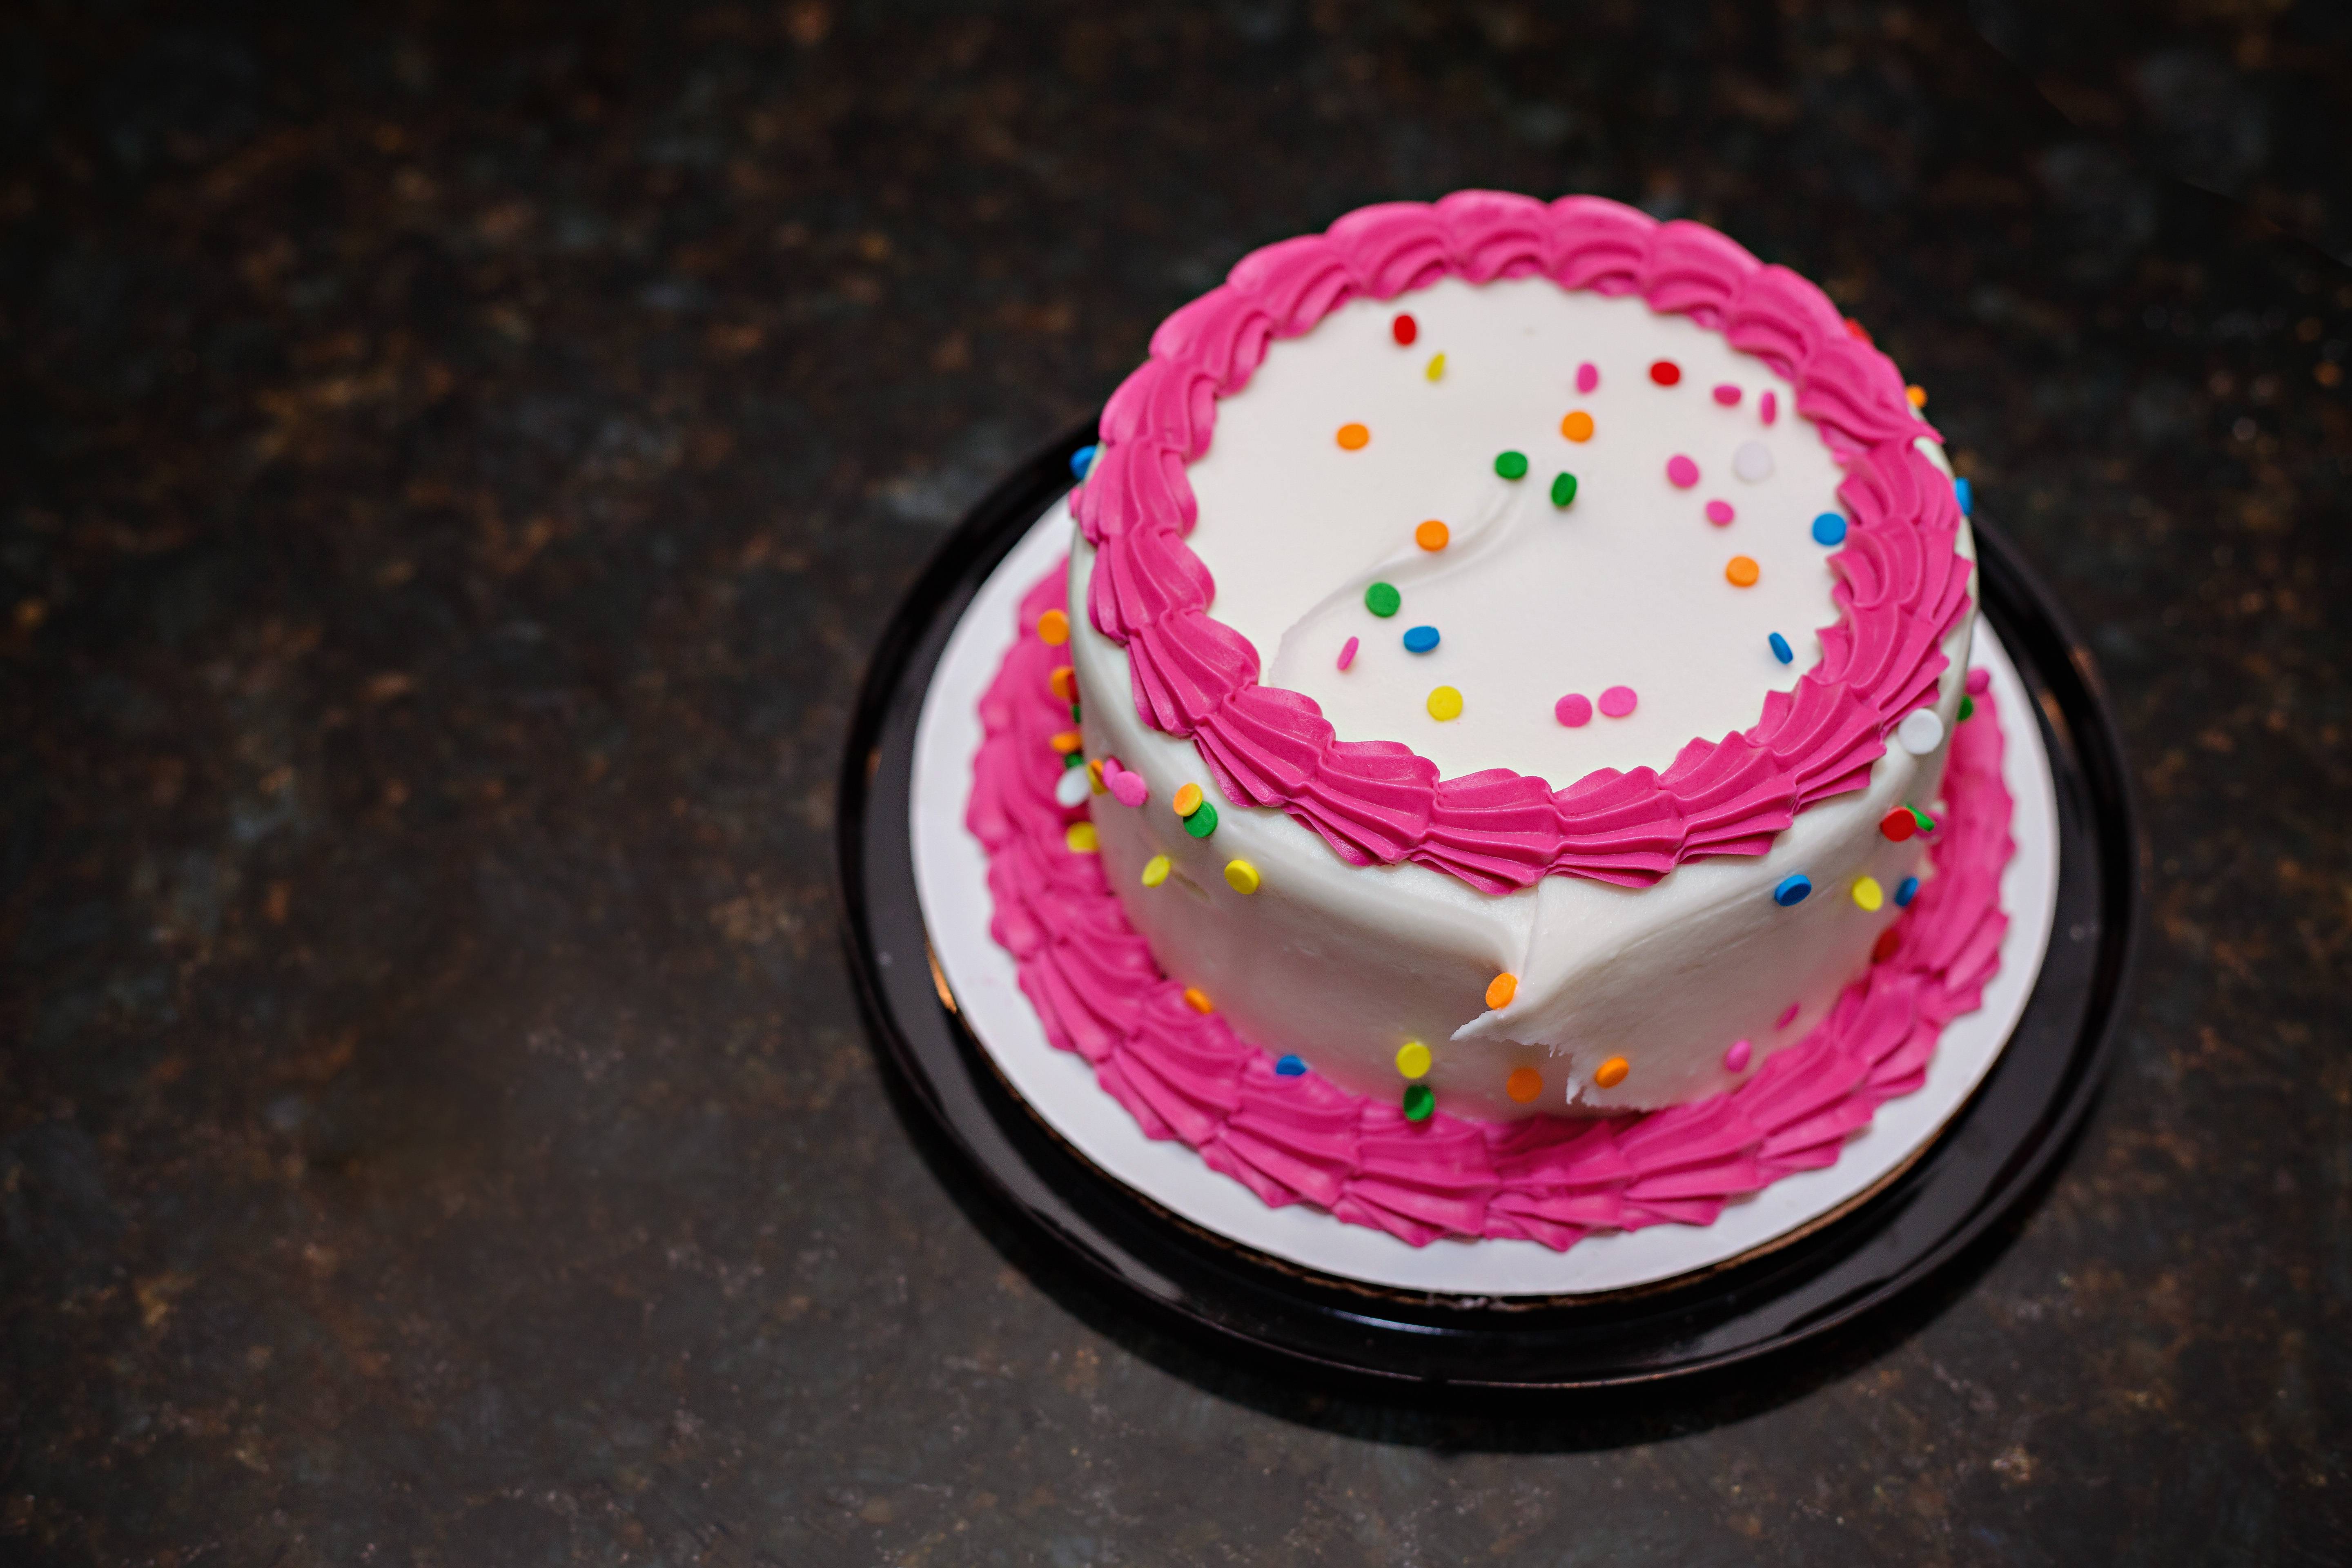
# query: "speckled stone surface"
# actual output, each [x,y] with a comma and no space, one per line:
[455,461]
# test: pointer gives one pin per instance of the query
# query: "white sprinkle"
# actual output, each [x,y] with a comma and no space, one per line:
[1920,732]
[1073,787]
[1753,461]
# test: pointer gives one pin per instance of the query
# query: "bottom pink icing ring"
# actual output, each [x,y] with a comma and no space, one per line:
[1300,1139]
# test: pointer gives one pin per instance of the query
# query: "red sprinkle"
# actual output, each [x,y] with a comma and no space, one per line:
[1884,948]
[1859,333]
[1404,328]
[1897,825]
[1665,372]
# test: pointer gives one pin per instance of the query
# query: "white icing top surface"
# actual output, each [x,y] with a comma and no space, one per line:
[1625,587]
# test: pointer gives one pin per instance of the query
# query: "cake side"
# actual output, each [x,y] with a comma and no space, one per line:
[1346,966]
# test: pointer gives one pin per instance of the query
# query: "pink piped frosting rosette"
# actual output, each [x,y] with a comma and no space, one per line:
[1902,588]
[1187,1075]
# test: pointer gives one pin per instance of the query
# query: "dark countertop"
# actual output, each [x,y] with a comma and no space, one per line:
[457,461]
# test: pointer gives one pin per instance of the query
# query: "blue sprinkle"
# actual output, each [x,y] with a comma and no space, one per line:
[1781,650]
[1793,891]
[1908,889]
[1290,1067]
[1966,496]
[1420,639]
[1082,459]
[1829,529]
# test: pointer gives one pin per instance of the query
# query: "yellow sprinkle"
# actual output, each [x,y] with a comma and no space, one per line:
[1445,704]
[1080,837]
[1055,628]
[1241,876]
[1198,1000]
[1501,989]
[1436,371]
[1868,893]
[1412,1059]
[1093,776]
[1612,1072]
[1917,395]
[1188,799]
[1155,871]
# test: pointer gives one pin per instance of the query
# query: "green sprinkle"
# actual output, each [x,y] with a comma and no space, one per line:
[1563,490]
[1382,599]
[1926,823]
[1420,1099]
[1511,464]
[1201,823]
[1072,760]
[1074,714]
[1968,707]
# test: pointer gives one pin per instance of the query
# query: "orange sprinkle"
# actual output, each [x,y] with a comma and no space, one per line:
[1524,1084]
[1917,395]
[1501,989]
[1577,427]
[1352,437]
[1068,740]
[1198,1000]
[1188,799]
[1055,628]
[1065,683]
[1741,572]
[1094,775]
[1431,535]
[1612,1072]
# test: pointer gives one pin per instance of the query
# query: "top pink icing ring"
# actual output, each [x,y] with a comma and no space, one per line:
[1902,585]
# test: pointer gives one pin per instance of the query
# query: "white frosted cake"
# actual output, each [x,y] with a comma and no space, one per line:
[1513,651]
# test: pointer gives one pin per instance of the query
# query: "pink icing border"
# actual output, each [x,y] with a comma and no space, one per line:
[1902,585]
[1189,1076]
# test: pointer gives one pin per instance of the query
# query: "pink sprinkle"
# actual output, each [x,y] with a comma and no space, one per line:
[1788,1018]
[1718,512]
[1574,710]
[1587,376]
[1126,786]
[1681,472]
[1728,395]
[1769,406]
[1618,701]
[1735,1059]
[1348,653]
[1979,683]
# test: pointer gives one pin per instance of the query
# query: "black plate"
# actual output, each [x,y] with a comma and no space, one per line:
[1988,1159]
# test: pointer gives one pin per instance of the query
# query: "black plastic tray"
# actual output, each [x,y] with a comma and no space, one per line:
[1988,1160]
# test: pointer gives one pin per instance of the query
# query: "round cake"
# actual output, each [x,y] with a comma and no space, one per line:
[1507,666]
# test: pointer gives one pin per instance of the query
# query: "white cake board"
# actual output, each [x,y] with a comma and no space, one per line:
[951,878]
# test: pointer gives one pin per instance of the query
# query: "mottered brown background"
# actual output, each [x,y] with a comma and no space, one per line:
[454,462]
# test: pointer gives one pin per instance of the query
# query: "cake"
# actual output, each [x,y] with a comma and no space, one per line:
[1507,692]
